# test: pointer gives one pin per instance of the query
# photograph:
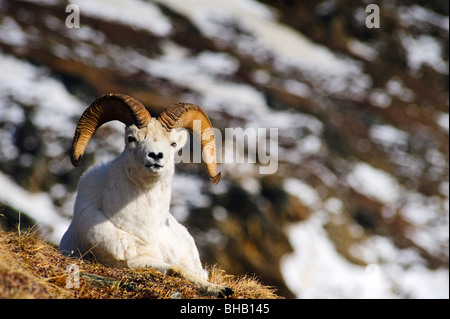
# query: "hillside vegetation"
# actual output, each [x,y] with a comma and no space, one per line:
[32,268]
[356,120]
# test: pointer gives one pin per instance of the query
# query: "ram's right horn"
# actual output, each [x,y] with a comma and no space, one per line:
[106,108]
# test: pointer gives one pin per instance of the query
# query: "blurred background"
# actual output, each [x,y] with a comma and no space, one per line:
[359,205]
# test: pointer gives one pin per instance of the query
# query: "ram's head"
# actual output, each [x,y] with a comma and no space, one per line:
[152,141]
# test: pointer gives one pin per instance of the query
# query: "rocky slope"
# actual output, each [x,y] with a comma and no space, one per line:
[359,203]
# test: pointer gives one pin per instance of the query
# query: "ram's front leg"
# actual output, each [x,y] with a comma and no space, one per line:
[151,259]
[205,286]
[100,239]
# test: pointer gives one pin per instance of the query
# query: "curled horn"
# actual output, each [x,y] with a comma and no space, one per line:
[183,115]
[106,108]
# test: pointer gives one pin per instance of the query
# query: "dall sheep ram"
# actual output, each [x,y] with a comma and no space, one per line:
[121,215]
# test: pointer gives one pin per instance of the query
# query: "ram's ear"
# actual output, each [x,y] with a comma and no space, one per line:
[178,138]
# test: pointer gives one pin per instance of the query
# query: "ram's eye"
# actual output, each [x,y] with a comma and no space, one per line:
[173,144]
[131,139]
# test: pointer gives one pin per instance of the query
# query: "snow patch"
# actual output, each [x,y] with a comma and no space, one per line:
[424,50]
[375,183]
[38,206]
[31,86]
[135,13]
[12,33]
[388,135]
[187,193]
[257,33]
[443,120]
[308,195]
[316,270]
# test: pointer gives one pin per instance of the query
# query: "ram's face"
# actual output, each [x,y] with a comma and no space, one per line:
[153,148]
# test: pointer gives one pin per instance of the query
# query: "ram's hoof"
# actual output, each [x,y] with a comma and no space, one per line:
[226,292]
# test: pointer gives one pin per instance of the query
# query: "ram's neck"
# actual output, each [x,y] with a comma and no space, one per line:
[136,206]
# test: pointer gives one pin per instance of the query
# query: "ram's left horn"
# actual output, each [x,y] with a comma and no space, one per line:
[183,115]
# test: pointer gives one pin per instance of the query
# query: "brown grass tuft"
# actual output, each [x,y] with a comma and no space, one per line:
[32,268]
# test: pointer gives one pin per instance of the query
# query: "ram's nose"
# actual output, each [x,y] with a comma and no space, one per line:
[155,156]
[155,160]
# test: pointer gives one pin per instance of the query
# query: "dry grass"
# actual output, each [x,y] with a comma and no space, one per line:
[32,268]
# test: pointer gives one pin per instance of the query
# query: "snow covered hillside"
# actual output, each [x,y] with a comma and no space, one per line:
[358,206]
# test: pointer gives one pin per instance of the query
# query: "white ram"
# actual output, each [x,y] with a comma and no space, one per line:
[121,215]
